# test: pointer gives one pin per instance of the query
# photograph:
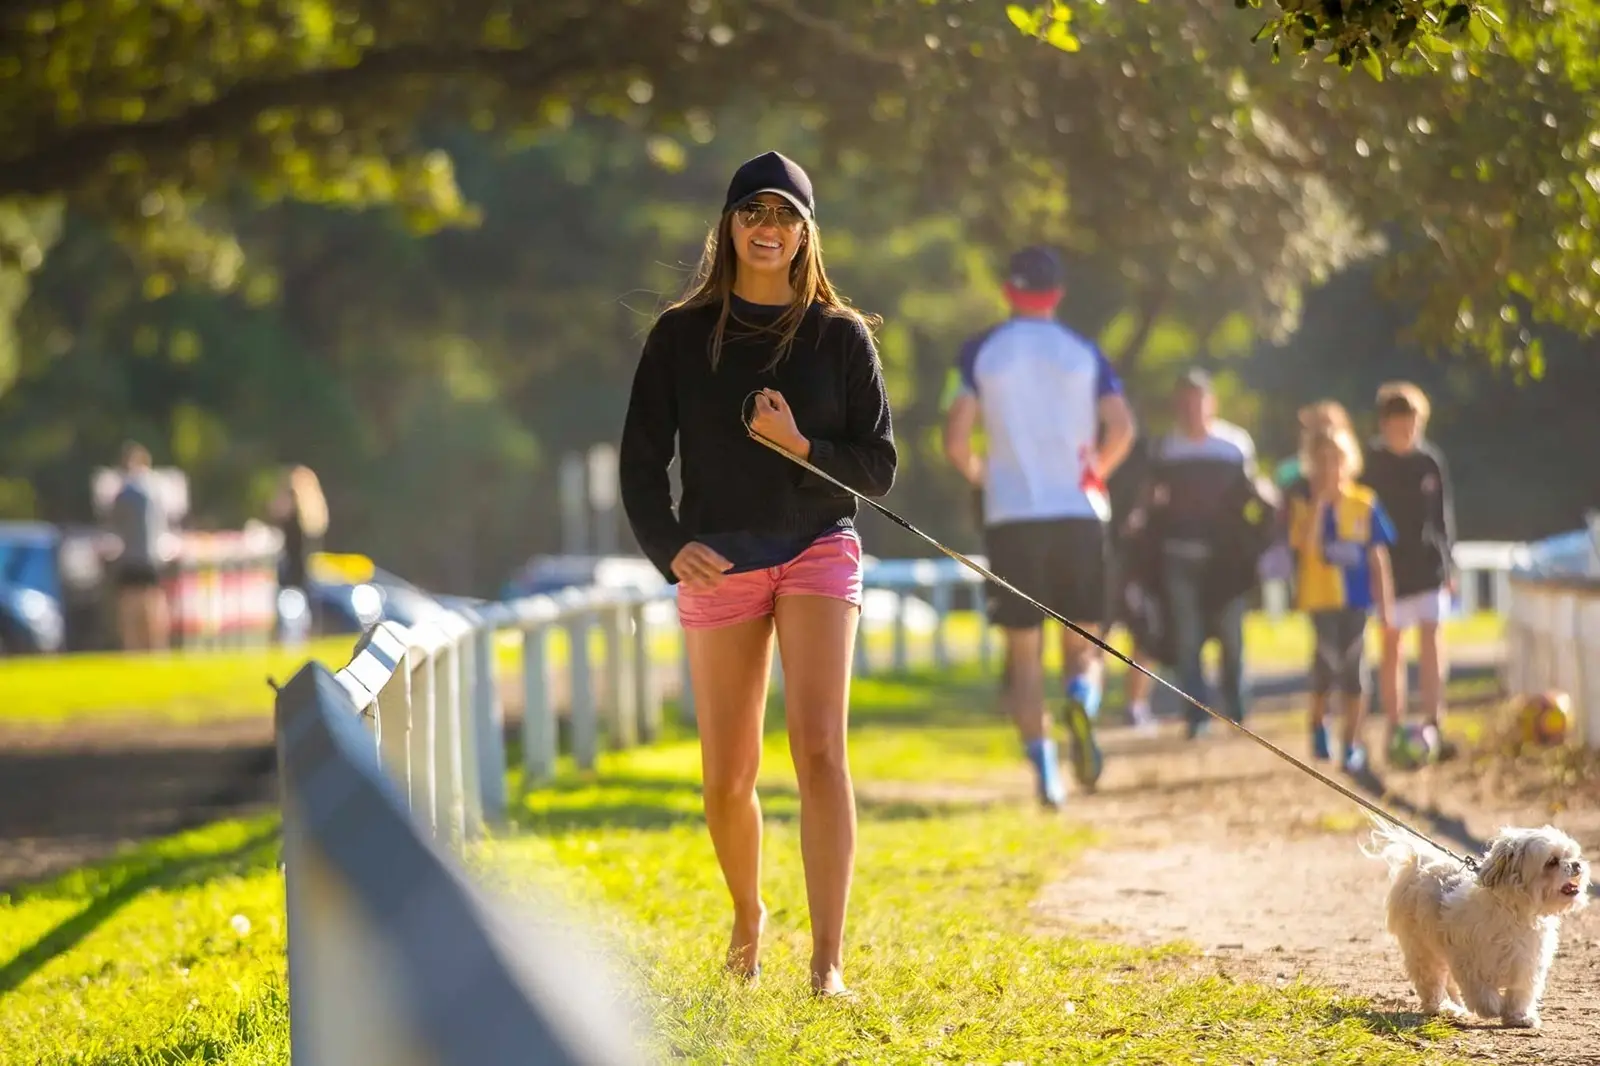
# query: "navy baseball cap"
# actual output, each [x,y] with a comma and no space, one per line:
[771,172]
[1035,269]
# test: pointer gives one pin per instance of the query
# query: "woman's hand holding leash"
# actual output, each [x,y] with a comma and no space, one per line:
[774,421]
[698,566]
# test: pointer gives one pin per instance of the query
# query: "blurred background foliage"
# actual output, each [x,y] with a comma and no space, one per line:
[417,245]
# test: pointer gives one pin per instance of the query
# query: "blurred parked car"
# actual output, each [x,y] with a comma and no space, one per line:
[349,593]
[545,575]
[51,584]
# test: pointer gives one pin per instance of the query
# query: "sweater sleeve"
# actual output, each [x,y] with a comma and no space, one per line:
[1447,506]
[866,457]
[649,436]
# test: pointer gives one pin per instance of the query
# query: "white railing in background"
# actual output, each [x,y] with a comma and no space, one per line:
[1553,625]
[439,721]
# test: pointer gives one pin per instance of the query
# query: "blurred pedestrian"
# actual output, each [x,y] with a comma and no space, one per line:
[758,545]
[1412,480]
[142,548]
[1056,425]
[1202,474]
[300,512]
[1341,538]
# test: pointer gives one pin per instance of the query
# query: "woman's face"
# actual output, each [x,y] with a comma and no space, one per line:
[767,233]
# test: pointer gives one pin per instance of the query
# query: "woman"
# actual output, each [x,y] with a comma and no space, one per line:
[301,514]
[758,544]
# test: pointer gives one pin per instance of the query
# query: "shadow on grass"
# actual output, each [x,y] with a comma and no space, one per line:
[255,854]
[662,803]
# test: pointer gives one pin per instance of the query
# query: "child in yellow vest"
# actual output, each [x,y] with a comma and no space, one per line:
[1340,536]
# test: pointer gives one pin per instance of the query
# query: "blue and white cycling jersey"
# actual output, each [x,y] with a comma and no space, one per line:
[1038,386]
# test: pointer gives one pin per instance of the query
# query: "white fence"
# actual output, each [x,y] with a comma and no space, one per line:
[431,759]
[438,720]
[1553,625]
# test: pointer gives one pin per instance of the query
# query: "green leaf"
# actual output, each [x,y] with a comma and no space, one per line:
[1023,18]
[1061,37]
[1479,29]
[1439,44]
[1536,359]
[1373,65]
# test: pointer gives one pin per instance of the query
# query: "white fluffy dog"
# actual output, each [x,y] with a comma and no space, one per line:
[1482,942]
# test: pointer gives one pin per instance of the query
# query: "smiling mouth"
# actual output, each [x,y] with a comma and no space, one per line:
[1570,888]
[772,245]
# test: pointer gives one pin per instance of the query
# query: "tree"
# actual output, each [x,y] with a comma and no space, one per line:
[1216,178]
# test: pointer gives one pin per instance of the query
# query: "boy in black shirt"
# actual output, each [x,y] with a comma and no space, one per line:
[1412,481]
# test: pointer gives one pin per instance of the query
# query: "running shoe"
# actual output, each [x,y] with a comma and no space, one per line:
[1083,748]
[1321,749]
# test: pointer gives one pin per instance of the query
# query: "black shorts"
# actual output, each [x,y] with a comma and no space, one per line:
[1338,663]
[137,576]
[1061,562]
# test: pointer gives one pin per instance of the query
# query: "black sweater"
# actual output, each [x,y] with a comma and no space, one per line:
[748,502]
[1414,489]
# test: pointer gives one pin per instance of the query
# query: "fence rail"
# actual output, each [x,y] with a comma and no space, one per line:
[1553,625]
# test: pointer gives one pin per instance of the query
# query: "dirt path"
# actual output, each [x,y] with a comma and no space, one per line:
[77,796]
[1223,845]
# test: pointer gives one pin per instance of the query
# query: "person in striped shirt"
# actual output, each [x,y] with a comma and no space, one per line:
[1341,538]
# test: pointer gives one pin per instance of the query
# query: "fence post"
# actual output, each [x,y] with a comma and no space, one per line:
[448,813]
[686,712]
[581,713]
[620,691]
[538,716]
[902,600]
[466,714]
[646,693]
[491,726]
[941,611]
[424,643]
[395,725]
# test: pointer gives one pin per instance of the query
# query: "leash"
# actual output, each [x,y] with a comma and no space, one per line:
[1468,861]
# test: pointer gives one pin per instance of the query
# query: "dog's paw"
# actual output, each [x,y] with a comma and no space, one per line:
[1528,1020]
[1451,1011]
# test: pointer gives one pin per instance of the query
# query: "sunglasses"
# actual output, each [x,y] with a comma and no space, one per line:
[756,214]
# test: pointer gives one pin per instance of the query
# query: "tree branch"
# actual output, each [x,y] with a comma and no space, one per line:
[65,163]
[1154,299]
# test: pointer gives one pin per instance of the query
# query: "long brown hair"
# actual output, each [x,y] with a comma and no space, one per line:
[712,285]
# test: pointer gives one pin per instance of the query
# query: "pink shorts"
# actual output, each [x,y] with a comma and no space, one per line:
[830,567]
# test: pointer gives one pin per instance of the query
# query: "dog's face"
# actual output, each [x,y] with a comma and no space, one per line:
[1544,866]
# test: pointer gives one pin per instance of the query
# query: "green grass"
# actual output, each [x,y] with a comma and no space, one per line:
[141,961]
[182,687]
[198,686]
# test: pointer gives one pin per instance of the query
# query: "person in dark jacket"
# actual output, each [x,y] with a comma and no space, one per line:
[1412,480]
[1195,471]
[764,347]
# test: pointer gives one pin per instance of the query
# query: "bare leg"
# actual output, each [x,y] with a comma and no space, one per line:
[160,631]
[815,637]
[1431,667]
[1024,680]
[1078,656]
[1392,678]
[1354,706]
[730,667]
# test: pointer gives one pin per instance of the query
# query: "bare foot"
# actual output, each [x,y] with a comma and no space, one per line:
[744,945]
[829,982]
